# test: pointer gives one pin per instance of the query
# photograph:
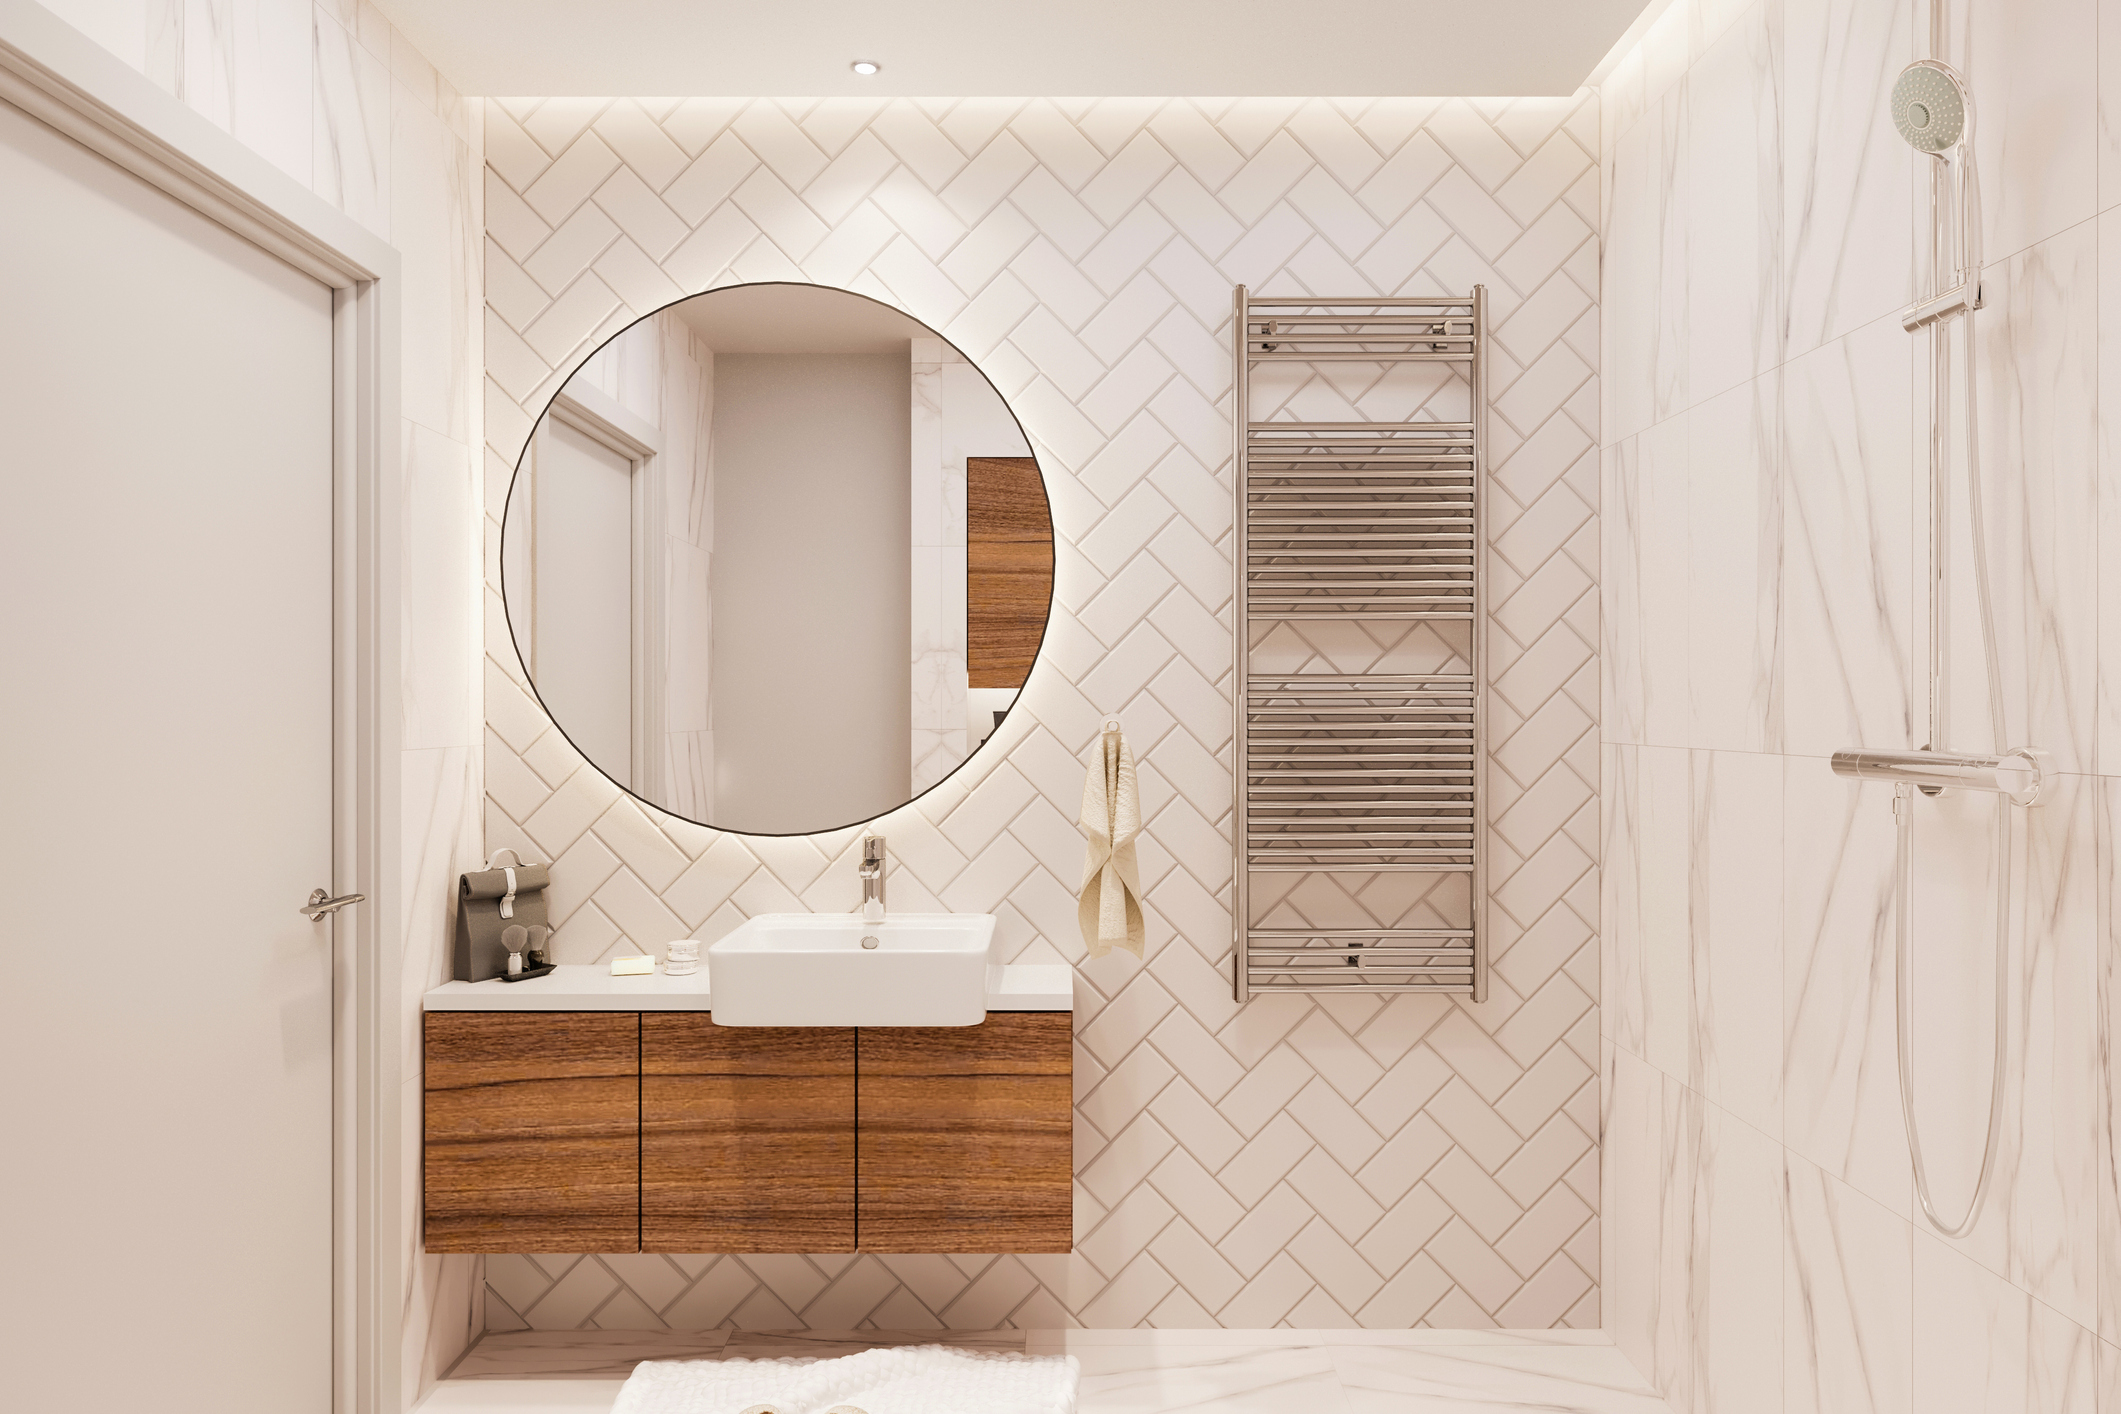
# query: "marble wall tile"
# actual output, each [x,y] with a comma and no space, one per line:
[1631,1147]
[1879,1312]
[940,741]
[1620,688]
[1708,21]
[1663,945]
[350,127]
[2106,890]
[270,81]
[1733,544]
[1678,1358]
[2037,350]
[440,841]
[2109,104]
[1733,181]
[1735,1292]
[430,196]
[1848,179]
[1646,74]
[120,28]
[207,66]
[2033,65]
[2039,1227]
[1734,927]
[1840,1085]
[162,56]
[1847,1298]
[1952,880]
[684,417]
[927,433]
[441,567]
[2107,684]
[1983,1346]
[1848,517]
[1623,999]
[1643,587]
[1645,321]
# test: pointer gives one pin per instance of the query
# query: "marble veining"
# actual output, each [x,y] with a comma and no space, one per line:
[1123,1372]
[1764,1248]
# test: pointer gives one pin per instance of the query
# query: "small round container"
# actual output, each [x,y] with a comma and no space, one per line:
[681,958]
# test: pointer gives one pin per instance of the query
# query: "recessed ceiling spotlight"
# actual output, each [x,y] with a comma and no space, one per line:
[865,67]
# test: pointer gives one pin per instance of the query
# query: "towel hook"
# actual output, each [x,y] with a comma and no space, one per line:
[1111,724]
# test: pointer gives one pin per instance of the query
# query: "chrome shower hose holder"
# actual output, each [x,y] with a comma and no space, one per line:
[2017,774]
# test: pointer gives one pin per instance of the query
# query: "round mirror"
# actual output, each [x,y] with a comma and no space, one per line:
[777,559]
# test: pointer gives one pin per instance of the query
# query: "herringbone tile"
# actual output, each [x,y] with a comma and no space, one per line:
[1385,1162]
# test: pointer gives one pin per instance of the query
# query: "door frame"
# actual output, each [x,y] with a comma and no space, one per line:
[606,422]
[59,76]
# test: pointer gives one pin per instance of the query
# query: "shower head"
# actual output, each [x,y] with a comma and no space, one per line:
[1930,106]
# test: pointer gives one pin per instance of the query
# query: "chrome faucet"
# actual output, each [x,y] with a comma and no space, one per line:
[871,873]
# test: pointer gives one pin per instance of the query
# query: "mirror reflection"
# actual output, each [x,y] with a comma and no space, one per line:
[777,558]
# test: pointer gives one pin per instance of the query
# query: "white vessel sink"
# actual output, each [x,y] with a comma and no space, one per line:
[811,969]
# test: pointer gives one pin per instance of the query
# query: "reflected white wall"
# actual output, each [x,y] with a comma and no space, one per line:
[811,599]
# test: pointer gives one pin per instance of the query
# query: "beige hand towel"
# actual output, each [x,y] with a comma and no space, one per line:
[1111,908]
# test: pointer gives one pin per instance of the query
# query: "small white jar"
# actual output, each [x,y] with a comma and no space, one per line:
[681,958]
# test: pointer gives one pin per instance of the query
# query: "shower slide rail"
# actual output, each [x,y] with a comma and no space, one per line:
[1371,531]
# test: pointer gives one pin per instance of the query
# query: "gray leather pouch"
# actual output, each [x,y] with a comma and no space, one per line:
[485,906]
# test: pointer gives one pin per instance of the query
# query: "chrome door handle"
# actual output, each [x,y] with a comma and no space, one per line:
[319,905]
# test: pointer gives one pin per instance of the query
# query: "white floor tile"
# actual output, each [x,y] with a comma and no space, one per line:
[1126,1371]
[522,1397]
[1493,1380]
[1227,1379]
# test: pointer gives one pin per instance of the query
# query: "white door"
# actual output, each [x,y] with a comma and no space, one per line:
[165,802]
[583,568]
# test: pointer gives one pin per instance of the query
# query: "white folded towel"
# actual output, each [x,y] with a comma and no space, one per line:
[915,1379]
[1111,908]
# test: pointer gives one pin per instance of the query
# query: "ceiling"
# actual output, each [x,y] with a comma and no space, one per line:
[987,48]
[775,318]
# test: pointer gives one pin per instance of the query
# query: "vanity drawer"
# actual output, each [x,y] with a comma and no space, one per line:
[663,1132]
[967,1136]
[747,1136]
[532,1131]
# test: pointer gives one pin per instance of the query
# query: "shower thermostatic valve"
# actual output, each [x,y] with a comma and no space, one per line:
[2017,773]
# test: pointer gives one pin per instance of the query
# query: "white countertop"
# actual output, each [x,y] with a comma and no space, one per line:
[591,987]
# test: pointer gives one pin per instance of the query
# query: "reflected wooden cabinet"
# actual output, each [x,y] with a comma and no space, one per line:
[663,1132]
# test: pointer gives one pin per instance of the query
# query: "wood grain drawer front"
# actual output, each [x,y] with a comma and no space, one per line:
[967,1136]
[747,1136]
[532,1129]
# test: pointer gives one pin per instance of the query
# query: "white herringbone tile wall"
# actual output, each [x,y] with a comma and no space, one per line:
[1368,1161]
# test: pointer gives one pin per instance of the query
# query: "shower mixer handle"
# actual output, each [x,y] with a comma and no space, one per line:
[1927,312]
[2017,773]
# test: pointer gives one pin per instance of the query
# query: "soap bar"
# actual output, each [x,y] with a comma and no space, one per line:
[632,966]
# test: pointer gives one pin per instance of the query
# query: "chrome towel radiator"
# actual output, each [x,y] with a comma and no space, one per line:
[1360,738]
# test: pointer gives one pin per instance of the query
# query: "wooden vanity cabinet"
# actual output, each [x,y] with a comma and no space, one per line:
[747,1136]
[663,1132]
[967,1136]
[532,1129]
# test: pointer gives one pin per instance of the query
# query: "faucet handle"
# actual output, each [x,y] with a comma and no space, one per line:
[871,874]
